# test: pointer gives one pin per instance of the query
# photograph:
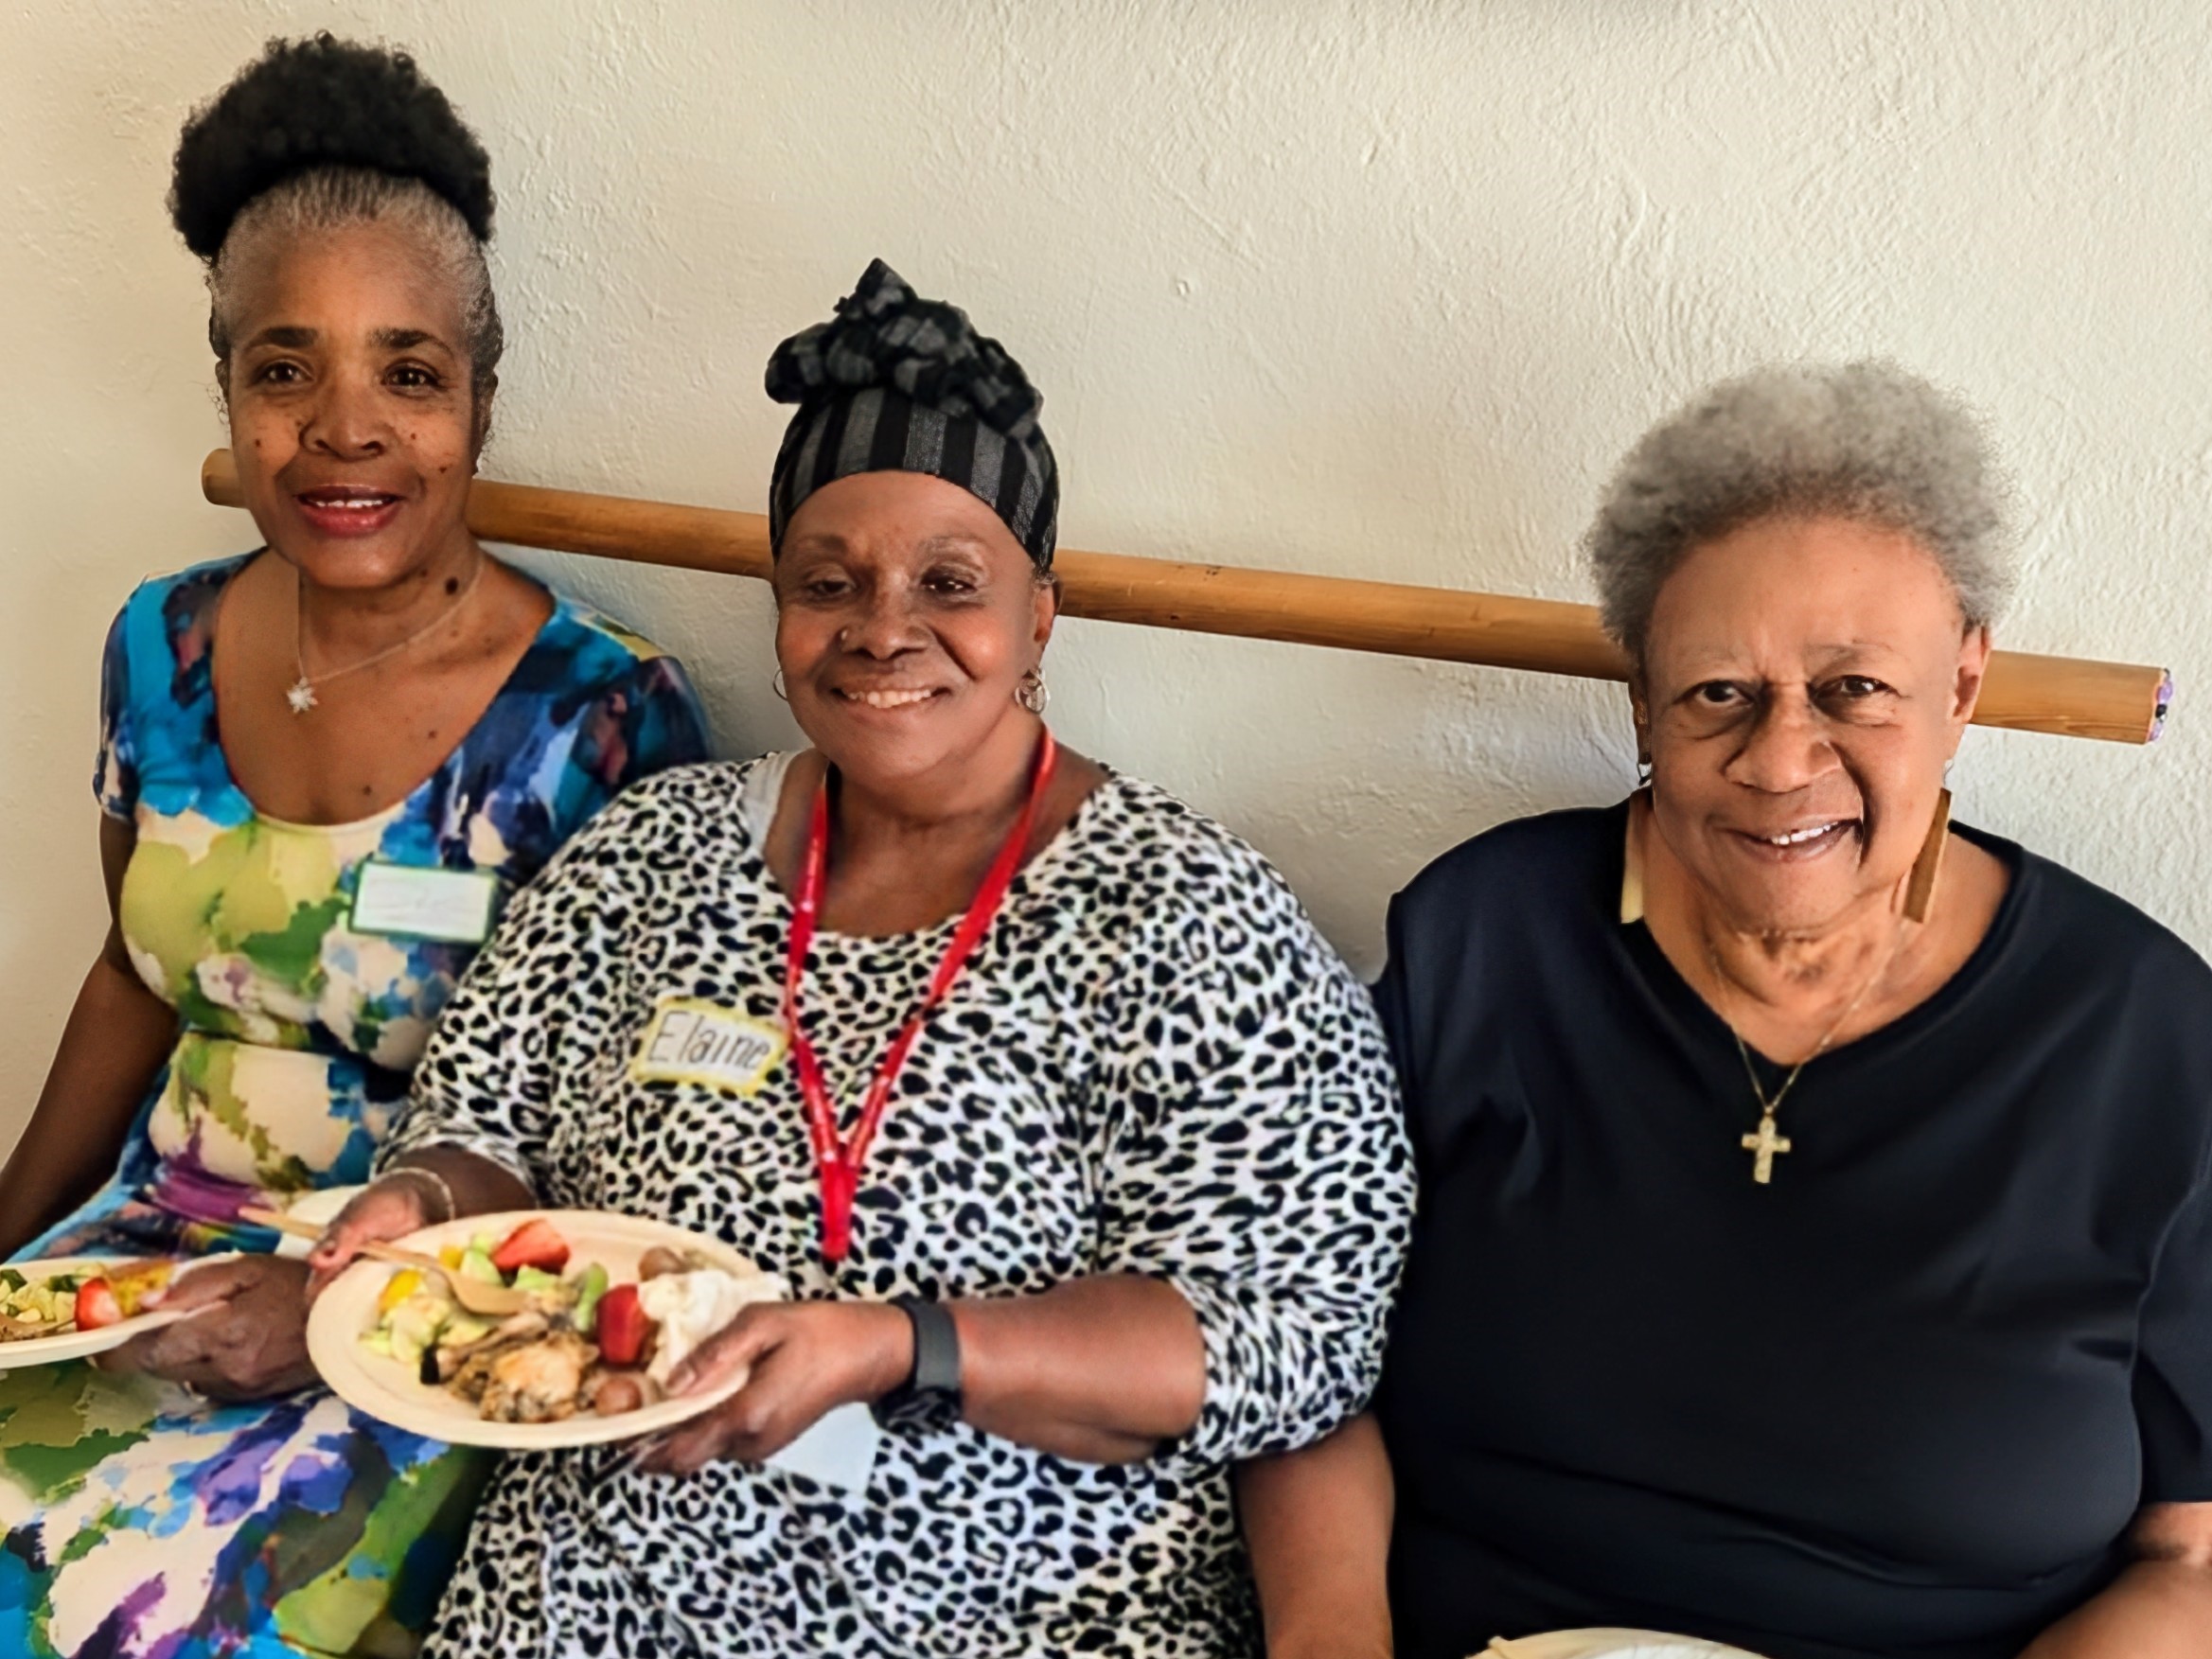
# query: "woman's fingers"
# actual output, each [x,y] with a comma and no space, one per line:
[202,1287]
[383,1212]
[245,1337]
[178,1352]
[806,1359]
[730,1427]
[194,1291]
[752,1424]
[766,1415]
[730,1350]
[133,1355]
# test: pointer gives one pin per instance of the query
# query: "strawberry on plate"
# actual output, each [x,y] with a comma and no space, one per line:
[622,1326]
[97,1305]
[533,1245]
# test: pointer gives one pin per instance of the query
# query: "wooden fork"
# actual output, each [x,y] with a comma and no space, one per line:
[486,1301]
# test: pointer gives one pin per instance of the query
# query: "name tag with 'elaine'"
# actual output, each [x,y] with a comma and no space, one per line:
[691,1041]
[455,907]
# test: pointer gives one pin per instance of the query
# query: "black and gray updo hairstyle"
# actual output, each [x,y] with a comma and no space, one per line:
[1865,441]
[319,133]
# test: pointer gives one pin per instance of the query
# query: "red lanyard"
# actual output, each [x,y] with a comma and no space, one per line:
[836,1158]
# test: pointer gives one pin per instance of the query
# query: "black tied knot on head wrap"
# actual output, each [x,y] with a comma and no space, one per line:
[896,383]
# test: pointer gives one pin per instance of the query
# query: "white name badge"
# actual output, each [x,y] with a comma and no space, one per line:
[453,906]
[691,1041]
[840,1450]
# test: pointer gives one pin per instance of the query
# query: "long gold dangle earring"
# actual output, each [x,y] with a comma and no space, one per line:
[1919,884]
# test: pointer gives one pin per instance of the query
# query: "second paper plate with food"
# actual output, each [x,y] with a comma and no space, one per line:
[64,1310]
[612,1303]
[1609,1644]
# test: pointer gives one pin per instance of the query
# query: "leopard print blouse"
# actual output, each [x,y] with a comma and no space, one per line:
[1153,1063]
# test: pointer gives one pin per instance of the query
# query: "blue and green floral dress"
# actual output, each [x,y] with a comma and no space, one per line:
[140,1522]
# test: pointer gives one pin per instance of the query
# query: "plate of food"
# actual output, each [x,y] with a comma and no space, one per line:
[610,1304]
[1608,1643]
[68,1308]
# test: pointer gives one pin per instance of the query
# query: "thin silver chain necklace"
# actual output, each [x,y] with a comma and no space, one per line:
[301,693]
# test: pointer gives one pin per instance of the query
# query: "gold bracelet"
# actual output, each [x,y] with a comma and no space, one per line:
[445,1189]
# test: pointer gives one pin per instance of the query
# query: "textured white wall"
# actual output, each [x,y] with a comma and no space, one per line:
[1370,287]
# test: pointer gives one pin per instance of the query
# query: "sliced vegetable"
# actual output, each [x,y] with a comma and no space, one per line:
[537,1278]
[477,1264]
[461,1329]
[417,1323]
[97,1305]
[533,1245]
[622,1327]
[401,1285]
[590,1286]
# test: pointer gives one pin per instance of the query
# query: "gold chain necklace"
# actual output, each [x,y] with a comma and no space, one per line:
[1766,1143]
[301,693]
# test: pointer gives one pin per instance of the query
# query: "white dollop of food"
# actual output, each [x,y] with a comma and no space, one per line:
[690,1307]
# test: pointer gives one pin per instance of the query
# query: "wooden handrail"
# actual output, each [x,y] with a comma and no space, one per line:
[2070,695]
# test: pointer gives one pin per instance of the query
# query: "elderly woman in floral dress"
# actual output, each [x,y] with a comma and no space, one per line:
[321,765]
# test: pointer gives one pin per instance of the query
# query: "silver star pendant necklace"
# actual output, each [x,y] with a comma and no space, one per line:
[301,693]
[1766,1144]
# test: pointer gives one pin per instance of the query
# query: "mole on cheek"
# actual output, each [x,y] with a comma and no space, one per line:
[453,586]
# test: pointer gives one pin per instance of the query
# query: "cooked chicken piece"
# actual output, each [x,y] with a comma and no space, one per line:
[449,1360]
[537,1381]
[475,1375]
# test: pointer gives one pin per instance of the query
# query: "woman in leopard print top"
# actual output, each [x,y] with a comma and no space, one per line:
[1146,1154]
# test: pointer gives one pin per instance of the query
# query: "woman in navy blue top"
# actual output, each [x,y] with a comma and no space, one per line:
[1815,1249]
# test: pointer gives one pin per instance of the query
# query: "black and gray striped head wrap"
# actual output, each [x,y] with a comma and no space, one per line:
[894,384]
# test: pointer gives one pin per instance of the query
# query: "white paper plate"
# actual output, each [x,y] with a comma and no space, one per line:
[394,1393]
[48,1350]
[1609,1644]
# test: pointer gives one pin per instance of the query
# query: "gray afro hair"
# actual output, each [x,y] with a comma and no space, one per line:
[1867,441]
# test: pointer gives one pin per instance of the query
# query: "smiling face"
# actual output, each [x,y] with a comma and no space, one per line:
[1805,681]
[906,617]
[351,412]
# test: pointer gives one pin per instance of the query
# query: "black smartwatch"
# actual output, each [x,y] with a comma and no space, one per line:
[936,1378]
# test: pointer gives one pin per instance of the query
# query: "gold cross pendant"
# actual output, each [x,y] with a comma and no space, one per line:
[1765,1144]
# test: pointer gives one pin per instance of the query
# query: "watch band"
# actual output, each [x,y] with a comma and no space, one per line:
[936,1372]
